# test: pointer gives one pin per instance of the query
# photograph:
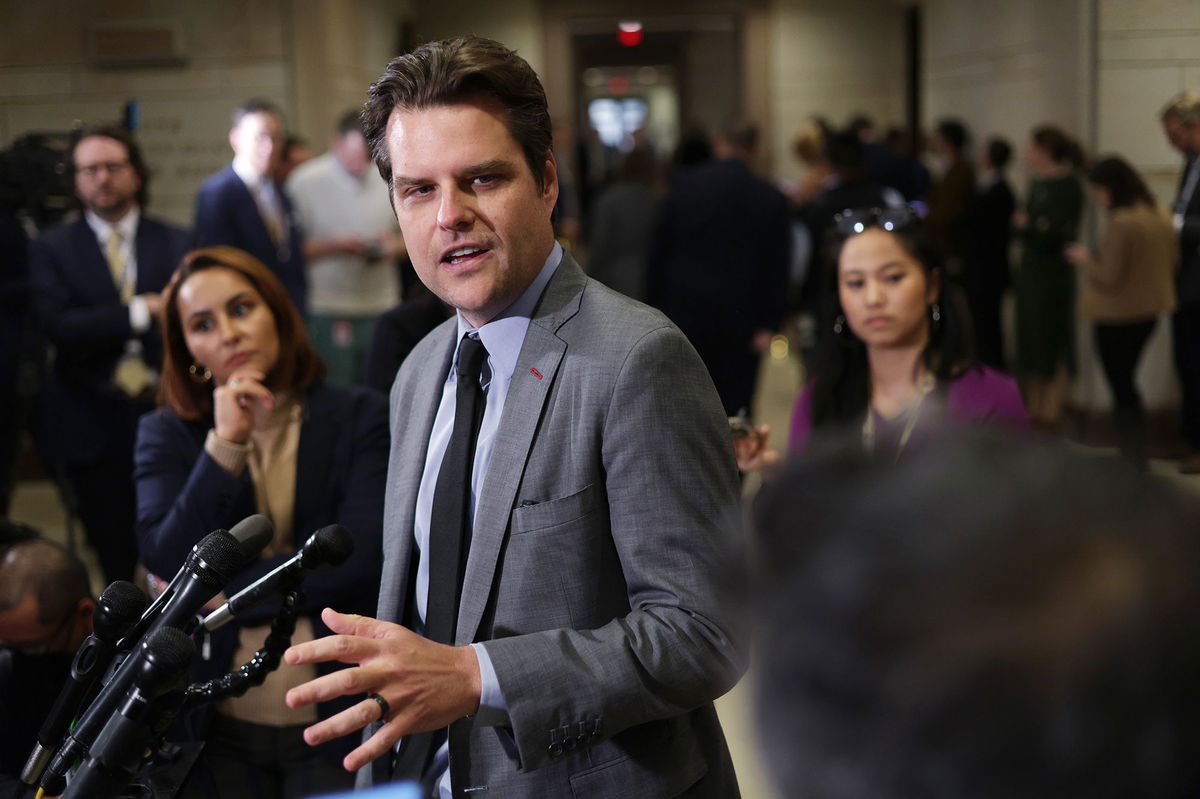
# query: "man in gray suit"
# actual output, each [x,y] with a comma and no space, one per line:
[597,504]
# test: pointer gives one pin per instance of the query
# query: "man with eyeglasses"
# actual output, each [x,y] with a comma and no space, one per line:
[46,611]
[96,283]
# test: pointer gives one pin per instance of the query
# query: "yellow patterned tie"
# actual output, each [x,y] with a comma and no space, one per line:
[117,264]
[131,375]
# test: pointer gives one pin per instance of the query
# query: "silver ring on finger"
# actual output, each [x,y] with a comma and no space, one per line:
[384,708]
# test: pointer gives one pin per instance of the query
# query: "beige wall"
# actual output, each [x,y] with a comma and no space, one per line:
[833,58]
[313,57]
[1005,67]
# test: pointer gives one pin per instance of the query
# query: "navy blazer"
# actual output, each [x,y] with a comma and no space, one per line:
[226,213]
[82,315]
[341,470]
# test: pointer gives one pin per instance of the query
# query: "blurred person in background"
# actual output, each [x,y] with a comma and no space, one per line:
[1125,286]
[894,351]
[351,246]
[1181,124]
[986,273]
[246,426]
[997,619]
[950,200]
[46,610]
[622,225]
[295,151]
[96,286]
[719,263]
[1045,280]
[244,204]
[846,187]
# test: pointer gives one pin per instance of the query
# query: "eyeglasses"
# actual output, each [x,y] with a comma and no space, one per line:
[92,170]
[856,220]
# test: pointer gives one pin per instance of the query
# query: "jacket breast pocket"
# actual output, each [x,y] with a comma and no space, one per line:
[530,517]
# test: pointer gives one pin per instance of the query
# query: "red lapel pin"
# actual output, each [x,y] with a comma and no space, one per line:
[535,373]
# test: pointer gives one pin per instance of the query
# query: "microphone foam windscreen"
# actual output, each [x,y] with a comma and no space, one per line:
[171,649]
[222,552]
[169,653]
[334,544]
[253,533]
[124,600]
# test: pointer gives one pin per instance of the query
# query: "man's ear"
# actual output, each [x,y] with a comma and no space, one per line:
[550,180]
[85,610]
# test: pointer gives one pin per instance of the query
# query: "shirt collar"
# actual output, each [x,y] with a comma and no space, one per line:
[251,178]
[126,225]
[503,336]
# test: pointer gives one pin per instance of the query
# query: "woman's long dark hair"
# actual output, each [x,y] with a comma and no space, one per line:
[841,375]
[1124,185]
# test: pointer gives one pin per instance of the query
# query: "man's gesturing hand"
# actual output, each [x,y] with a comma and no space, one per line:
[427,685]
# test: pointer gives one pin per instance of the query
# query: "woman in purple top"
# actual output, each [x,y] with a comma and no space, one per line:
[896,356]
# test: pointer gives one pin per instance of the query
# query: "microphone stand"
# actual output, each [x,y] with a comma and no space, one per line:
[156,779]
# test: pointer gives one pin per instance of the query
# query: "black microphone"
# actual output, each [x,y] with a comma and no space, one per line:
[328,546]
[119,608]
[253,533]
[205,572]
[160,668]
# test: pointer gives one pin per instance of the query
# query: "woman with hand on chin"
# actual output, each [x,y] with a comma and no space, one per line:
[246,426]
[896,353]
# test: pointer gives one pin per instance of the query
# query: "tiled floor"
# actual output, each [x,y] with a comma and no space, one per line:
[36,503]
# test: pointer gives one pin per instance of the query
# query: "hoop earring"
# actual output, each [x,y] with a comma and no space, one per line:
[839,325]
[199,374]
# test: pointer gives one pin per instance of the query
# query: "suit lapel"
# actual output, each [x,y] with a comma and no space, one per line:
[542,350]
[95,275]
[413,408]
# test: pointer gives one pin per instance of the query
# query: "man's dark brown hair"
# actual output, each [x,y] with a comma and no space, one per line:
[464,69]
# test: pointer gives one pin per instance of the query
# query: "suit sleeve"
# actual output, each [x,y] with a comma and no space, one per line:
[79,330]
[674,518]
[182,494]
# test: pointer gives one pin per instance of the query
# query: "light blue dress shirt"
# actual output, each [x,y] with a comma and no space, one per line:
[502,338]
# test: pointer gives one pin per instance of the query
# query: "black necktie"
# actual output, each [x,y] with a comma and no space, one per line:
[450,520]
[449,537]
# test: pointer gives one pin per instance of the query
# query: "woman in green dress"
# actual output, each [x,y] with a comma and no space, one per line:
[1045,283]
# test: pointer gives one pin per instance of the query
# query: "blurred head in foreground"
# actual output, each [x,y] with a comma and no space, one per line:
[997,619]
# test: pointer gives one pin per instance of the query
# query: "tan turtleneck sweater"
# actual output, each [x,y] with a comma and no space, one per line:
[271,457]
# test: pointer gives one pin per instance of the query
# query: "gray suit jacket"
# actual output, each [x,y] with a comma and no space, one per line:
[606,532]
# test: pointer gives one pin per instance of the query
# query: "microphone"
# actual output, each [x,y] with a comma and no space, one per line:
[253,533]
[160,668]
[329,546]
[119,608]
[205,572]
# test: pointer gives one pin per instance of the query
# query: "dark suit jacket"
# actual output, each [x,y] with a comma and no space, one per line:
[989,222]
[598,559]
[80,310]
[396,332]
[341,466]
[1188,276]
[227,214]
[721,254]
